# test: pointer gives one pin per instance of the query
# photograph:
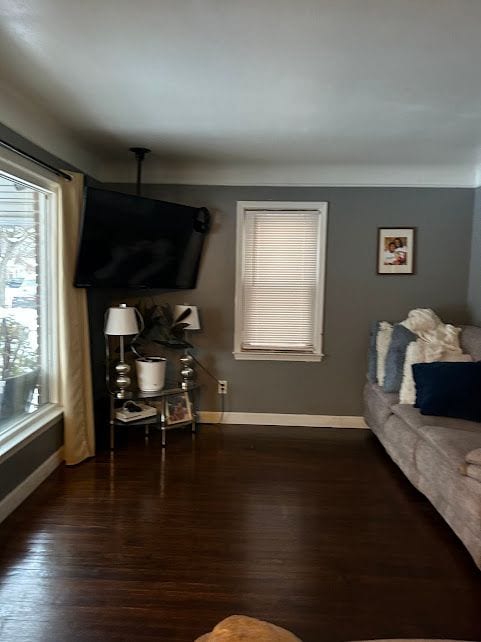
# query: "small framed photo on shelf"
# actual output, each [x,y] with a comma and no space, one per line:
[177,409]
[395,250]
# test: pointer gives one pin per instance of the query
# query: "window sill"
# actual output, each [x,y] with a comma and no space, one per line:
[20,433]
[277,356]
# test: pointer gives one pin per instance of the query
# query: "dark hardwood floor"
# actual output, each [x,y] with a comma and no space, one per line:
[313,529]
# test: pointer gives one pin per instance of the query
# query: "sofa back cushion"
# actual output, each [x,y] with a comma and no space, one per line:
[470,340]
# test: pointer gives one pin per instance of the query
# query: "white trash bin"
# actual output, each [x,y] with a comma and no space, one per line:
[151,373]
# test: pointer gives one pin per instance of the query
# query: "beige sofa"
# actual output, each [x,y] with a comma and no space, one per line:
[431,452]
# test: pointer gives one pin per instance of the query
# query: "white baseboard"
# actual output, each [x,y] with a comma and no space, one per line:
[33,481]
[279,419]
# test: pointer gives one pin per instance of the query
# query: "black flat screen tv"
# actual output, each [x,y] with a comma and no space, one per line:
[136,242]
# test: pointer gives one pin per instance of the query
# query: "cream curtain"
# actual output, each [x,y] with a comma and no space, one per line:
[74,345]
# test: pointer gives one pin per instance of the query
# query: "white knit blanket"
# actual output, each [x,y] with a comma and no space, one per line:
[437,341]
[440,340]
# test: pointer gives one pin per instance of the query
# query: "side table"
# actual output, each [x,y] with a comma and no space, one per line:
[163,401]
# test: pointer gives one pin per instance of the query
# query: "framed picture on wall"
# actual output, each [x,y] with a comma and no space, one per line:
[395,250]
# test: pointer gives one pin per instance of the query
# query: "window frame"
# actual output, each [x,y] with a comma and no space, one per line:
[287,206]
[26,428]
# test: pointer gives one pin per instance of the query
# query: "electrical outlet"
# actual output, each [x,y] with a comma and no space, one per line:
[222,387]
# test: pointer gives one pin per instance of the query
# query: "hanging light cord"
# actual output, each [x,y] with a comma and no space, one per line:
[204,368]
[222,401]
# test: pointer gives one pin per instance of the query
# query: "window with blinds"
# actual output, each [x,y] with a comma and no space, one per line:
[280,278]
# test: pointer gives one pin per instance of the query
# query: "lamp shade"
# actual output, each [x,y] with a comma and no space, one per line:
[191,316]
[121,321]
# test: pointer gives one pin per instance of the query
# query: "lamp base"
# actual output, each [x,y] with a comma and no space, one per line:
[123,380]
[187,371]
[123,394]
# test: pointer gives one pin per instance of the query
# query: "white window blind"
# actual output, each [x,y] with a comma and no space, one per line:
[279,294]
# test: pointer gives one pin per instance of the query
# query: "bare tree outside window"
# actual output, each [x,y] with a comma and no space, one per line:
[17,254]
[22,210]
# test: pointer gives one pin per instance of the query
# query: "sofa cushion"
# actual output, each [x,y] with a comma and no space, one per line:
[377,404]
[456,496]
[474,457]
[438,456]
[449,389]
[416,420]
[383,399]
[400,443]
[472,471]
[452,444]
[393,371]
[470,340]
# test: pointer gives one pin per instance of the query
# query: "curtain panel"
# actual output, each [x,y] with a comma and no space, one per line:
[75,378]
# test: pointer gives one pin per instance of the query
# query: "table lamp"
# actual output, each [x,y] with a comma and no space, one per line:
[120,322]
[189,315]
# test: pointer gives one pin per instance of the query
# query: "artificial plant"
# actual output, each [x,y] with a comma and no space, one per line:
[160,328]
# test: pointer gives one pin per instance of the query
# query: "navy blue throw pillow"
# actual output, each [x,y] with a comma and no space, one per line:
[449,389]
[400,339]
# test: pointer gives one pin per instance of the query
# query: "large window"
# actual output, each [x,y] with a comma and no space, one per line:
[280,280]
[28,260]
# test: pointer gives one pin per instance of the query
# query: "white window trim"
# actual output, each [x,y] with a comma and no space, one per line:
[242,208]
[21,432]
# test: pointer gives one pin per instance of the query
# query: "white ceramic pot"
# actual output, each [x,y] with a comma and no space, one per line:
[151,373]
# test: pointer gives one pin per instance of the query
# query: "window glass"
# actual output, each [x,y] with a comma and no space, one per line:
[25,345]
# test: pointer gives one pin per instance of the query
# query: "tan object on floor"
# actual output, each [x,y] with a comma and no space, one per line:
[240,628]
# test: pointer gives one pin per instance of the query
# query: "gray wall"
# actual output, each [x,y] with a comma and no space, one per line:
[474,290]
[20,465]
[355,294]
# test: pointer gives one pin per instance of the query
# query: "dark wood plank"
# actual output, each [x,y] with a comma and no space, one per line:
[313,529]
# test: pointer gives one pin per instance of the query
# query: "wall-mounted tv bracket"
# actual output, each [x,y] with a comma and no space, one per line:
[140,153]
[202,220]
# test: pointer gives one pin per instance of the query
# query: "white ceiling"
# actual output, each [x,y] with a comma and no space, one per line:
[380,92]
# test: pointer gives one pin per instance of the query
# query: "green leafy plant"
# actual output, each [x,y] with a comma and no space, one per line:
[160,328]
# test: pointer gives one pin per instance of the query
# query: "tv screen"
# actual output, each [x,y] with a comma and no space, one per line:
[135,242]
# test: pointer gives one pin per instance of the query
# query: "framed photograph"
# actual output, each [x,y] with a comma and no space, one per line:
[395,250]
[177,409]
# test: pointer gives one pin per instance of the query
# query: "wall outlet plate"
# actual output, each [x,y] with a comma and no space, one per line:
[222,387]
